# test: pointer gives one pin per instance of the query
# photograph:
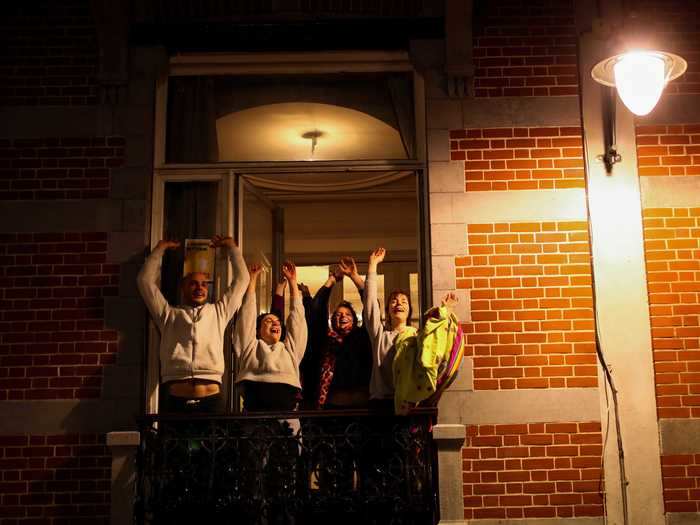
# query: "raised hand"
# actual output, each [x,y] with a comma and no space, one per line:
[167,245]
[450,300]
[255,270]
[376,257]
[347,266]
[336,273]
[289,271]
[304,290]
[220,241]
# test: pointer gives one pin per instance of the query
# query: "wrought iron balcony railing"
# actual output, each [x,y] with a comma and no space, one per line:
[353,466]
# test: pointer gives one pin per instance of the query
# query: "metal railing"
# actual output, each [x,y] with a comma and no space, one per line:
[354,466]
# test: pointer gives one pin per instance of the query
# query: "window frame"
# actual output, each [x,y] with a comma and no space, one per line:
[191,64]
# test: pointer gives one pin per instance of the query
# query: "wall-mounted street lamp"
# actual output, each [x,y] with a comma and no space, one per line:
[639,76]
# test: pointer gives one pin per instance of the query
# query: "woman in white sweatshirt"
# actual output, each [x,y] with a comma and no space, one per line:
[383,336]
[268,368]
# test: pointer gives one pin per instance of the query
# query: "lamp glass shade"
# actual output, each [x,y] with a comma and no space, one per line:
[640,77]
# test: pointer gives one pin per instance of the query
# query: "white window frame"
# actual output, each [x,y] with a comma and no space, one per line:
[196,64]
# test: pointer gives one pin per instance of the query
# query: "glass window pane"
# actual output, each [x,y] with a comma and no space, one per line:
[257,244]
[415,301]
[290,118]
[312,276]
[190,212]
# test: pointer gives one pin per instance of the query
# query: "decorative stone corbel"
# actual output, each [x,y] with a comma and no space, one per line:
[112,22]
[459,63]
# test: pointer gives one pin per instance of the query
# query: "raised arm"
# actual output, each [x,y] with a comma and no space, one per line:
[371,313]
[319,304]
[277,304]
[244,335]
[297,332]
[231,300]
[147,282]
[348,266]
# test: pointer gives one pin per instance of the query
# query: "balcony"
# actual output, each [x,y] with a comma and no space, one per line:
[344,466]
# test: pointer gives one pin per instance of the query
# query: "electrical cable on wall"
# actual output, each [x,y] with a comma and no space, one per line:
[607,371]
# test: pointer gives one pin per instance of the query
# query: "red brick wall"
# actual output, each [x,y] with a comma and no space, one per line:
[681,477]
[524,48]
[536,470]
[53,168]
[519,158]
[53,339]
[676,25]
[531,305]
[672,243]
[49,54]
[668,150]
[54,479]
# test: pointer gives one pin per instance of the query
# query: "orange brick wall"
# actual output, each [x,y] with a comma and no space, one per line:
[672,245]
[668,150]
[537,470]
[681,475]
[525,49]
[519,158]
[531,305]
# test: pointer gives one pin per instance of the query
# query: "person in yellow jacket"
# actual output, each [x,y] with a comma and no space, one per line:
[398,348]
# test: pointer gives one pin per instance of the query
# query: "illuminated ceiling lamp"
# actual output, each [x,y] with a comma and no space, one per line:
[639,76]
[313,136]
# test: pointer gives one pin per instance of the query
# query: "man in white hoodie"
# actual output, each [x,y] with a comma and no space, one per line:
[192,335]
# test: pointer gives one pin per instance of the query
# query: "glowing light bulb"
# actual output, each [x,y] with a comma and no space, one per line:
[640,78]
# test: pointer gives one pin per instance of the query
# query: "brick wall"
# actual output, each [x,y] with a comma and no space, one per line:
[536,470]
[519,158]
[524,48]
[676,25]
[49,54]
[668,150]
[53,168]
[531,305]
[672,241]
[54,479]
[53,339]
[681,478]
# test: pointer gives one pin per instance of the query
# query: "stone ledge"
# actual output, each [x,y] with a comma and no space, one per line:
[449,432]
[123,439]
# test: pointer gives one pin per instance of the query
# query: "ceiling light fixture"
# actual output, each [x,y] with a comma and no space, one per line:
[313,136]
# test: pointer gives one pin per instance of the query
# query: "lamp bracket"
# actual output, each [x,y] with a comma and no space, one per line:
[610,158]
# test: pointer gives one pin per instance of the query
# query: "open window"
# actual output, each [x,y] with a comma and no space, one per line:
[307,156]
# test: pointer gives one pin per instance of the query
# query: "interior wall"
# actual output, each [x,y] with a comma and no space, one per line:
[323,231]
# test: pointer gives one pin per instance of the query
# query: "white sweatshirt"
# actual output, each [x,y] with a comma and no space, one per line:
[192,338]
[381,383]
[258,361]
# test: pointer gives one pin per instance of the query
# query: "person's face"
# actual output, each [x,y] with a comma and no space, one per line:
[398,309]
[270,329]
[195,289]
[342,319]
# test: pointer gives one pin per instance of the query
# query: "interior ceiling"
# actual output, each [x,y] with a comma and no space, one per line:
[287,132]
